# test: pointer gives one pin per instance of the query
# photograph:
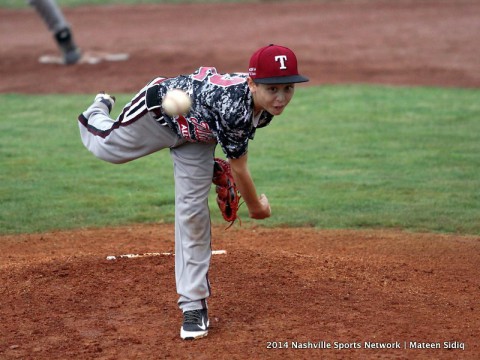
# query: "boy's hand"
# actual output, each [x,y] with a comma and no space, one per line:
[263,211]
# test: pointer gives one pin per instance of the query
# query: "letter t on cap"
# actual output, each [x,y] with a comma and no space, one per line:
[282,59]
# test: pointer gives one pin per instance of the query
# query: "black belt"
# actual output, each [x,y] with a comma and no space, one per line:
[151,98]
[154,105]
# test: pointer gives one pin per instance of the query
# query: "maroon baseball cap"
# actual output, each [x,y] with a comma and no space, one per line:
[274,64]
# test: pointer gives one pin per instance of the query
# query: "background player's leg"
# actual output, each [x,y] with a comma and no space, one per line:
[193,170]
[56,23]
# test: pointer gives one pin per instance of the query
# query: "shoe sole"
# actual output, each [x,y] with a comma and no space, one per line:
[190,335]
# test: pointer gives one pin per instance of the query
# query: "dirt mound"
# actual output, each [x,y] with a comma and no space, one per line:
[273,290]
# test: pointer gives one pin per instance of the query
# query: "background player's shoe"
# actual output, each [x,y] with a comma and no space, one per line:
[108,100]
[71,53]
[195,324]
[72,56]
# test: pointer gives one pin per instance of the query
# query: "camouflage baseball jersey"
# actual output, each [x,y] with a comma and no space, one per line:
[222,109]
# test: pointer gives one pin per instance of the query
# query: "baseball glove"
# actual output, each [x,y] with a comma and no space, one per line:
[228,197]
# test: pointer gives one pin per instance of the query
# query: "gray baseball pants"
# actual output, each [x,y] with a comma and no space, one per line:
[137,133]
[51,14]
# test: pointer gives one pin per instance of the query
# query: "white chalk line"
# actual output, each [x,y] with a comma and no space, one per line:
[91,58]
[134,256]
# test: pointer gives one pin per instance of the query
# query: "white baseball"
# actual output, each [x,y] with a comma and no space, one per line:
[176,102]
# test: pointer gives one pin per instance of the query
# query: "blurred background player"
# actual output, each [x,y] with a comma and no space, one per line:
[53,17]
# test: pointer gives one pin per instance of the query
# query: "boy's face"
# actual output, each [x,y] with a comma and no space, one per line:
[271,97]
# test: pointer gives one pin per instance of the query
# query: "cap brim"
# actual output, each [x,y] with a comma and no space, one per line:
[282,80]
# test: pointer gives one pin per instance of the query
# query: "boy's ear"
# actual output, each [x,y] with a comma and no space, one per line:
[251,84]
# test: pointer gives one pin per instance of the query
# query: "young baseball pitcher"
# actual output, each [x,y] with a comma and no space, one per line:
[226,109]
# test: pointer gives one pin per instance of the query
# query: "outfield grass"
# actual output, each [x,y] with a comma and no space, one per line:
[339,157]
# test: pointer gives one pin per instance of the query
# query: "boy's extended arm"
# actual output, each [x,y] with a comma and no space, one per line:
[258,206]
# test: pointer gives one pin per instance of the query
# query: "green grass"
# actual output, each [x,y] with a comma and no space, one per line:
[381,157]
[339,157]
[50,181]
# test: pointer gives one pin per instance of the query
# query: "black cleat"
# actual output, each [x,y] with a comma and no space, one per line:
[195,324]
